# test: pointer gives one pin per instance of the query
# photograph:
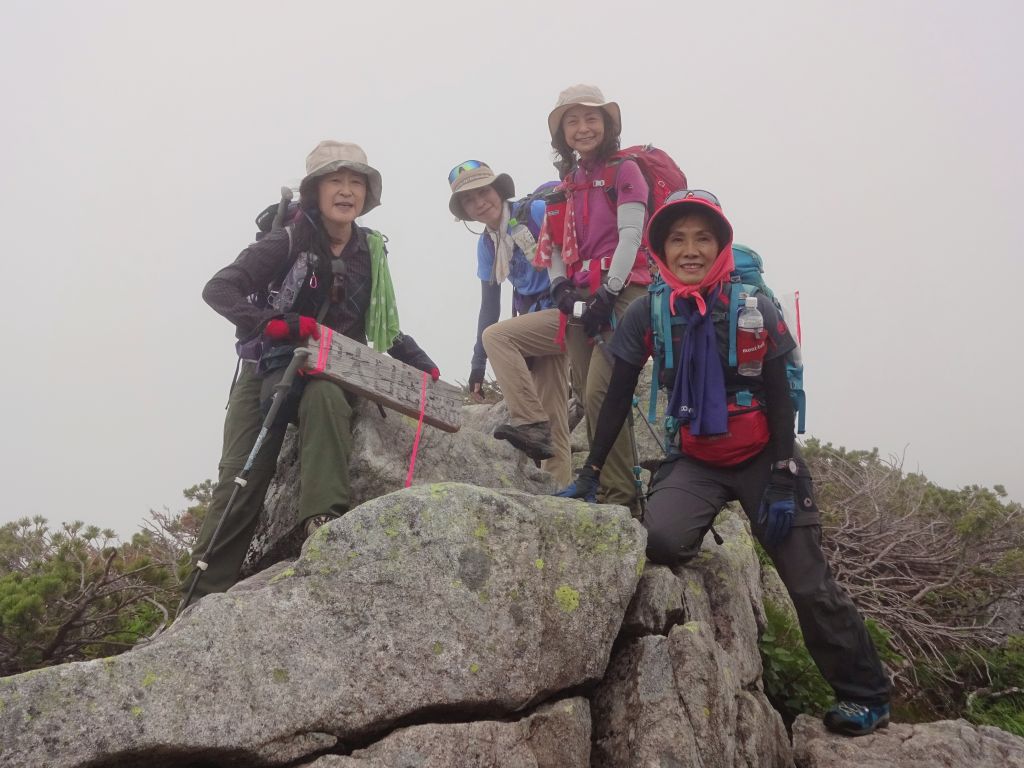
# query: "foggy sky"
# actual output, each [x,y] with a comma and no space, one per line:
[871,153]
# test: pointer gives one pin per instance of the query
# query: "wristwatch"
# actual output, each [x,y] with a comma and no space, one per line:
[614,285]
[787,465]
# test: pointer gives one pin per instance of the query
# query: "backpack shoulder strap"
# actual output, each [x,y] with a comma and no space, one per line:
[661,341]
[610,177]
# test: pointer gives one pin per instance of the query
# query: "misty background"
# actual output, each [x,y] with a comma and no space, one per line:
[871,153]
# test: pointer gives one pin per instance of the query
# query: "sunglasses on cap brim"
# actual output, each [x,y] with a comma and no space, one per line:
[692,194]
[469,165]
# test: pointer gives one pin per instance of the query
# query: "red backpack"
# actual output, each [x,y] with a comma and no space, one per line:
[659,170]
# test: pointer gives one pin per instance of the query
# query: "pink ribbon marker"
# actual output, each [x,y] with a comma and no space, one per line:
[419,430]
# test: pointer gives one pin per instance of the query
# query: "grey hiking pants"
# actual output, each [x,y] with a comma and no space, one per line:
[325,438]
[685,498]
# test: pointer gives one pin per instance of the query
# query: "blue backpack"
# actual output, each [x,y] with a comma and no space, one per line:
[747,278]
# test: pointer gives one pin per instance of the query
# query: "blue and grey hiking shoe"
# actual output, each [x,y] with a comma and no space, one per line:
[856,719]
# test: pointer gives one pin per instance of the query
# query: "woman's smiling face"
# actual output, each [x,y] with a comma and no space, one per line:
[341,196]
[583,128]
[482,205]
[691,247]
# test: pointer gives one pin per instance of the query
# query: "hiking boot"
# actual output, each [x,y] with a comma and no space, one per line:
[532,439]
[315,522]
[856,719]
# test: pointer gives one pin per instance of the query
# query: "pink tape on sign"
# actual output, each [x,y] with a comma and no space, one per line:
[419,430]
[323,351]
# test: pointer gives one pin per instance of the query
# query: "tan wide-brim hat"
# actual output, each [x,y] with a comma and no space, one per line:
[583,96]
[473,174]
[330,156]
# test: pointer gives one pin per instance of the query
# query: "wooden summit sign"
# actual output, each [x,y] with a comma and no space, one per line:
[383,379]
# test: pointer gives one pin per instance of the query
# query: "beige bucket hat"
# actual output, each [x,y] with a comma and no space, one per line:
[583,96]
[473,174]
[328,156]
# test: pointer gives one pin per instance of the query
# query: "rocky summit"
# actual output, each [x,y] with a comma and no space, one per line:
[457,625]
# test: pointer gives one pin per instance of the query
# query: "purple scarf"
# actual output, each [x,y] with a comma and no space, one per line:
[698,395]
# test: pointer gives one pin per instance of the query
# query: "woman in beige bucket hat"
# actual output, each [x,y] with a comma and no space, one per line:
[538,405]
[321,269]
[602,265]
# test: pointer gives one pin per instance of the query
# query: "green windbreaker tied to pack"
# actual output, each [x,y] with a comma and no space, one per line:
[746,279]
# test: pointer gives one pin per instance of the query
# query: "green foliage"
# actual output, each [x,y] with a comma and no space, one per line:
[882,639]
[1000,699]
[931,565]
[1006,713]
[77,593]
[791,679]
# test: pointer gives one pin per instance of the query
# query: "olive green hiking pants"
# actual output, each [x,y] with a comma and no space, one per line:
[325,446]
[591,371]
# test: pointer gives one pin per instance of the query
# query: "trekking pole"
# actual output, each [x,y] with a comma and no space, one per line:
[280,390]
[282,208]
[636,404]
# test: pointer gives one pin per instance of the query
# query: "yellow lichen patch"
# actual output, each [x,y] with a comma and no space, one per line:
[287,573]
[313,551]
[640,563]
[391,523]
[136,711]
[280,675]
[568,599]
[149,679]
[480,531]
[437,648]
[539,564]
[474,667]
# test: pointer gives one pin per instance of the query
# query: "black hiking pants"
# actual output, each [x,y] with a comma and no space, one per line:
[685,498]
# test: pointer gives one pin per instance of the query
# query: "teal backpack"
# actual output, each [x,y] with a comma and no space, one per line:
[747,278]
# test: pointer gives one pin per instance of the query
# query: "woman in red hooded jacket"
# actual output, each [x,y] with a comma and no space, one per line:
[736,442]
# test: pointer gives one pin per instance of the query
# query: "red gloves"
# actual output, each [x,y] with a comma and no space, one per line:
[434,374]
[292,328]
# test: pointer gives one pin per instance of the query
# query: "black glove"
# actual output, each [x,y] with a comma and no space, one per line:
[564,294]
[585,485]
[599,314]
[778,506]
[408,351]
[476,381]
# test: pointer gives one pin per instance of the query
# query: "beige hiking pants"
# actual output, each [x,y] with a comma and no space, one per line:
[539,392]
[509,342]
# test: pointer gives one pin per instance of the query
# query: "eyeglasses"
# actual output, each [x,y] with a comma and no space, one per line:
[469,165]
[692,194]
